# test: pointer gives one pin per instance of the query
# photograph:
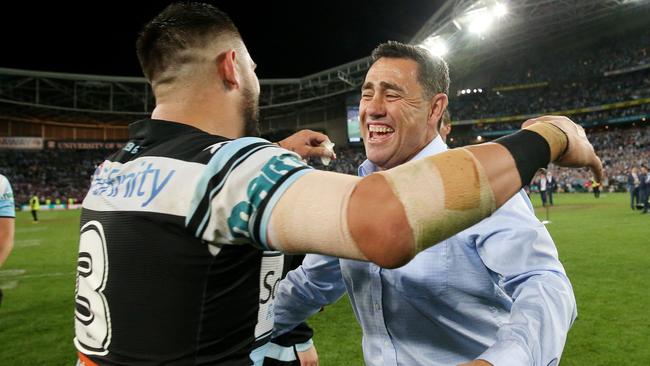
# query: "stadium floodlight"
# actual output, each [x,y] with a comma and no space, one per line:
[480,90]
[462,91]
[468,91]
[435,45]
[479,138]
[499,10]
[480,20]
[475,91]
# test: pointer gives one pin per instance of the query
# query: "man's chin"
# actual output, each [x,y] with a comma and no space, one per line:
[378,159]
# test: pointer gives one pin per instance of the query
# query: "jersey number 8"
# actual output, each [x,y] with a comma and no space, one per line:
[92,316]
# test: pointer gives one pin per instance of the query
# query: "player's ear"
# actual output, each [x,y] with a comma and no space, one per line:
[227,69]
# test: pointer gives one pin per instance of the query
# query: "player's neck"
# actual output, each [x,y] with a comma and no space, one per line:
[223,120]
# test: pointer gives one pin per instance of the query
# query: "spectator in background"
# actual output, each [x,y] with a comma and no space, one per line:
[551,186]
[633,187]
[34,206]
[595,187]
[543,187]
[7,218]
[644,186]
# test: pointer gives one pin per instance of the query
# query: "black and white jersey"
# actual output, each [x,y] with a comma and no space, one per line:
[174,266]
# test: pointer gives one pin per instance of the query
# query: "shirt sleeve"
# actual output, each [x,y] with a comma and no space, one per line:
[519,251]
[238,189]
[305,290]
[7,208]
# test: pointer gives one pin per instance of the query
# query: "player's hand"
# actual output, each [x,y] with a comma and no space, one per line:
[476,363]
[308,357]
[579,153]
[307,143]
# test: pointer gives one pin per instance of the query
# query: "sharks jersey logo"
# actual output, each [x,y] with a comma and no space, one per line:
[258,189]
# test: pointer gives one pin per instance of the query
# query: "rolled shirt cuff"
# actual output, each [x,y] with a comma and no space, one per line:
[506,353]
[302,347]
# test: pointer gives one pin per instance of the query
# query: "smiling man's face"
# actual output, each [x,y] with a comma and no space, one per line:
[393,112]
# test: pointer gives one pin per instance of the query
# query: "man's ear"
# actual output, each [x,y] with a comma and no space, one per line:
[227,68]
[438,105]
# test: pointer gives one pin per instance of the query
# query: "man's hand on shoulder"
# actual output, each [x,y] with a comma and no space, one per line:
[307,143]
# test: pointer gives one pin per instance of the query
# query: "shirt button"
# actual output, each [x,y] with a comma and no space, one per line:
[377,307]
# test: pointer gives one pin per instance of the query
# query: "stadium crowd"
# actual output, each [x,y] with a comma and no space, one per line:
[575,63]
[50,174]
[620,150]
[556,96]
[577,78]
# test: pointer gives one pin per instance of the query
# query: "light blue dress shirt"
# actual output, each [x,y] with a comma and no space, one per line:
[495,291]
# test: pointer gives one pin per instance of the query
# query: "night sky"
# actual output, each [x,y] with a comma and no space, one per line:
[287,39]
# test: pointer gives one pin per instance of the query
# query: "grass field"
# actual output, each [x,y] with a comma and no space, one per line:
[603,244]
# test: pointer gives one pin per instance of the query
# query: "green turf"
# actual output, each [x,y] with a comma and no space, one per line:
[36,317]
[602,243]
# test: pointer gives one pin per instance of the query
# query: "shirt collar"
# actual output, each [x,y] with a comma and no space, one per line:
[436,146]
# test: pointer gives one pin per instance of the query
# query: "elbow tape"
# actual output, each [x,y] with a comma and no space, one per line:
[442,197]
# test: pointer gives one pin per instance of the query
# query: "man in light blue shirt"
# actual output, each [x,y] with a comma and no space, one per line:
[494,294]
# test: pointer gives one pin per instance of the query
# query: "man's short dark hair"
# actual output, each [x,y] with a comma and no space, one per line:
[180,26]
[433,72]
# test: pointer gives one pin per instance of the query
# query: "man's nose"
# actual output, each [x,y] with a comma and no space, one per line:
[376,107]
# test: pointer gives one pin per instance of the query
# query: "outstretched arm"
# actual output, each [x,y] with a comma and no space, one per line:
[389,217]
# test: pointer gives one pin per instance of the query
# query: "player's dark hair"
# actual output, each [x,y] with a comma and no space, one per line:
[179,27]
[433,72]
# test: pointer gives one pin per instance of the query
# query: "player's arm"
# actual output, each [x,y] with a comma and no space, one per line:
[6,237]
[389,217]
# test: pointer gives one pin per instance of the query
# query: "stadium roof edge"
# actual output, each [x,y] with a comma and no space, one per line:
[135,79]
[71,76]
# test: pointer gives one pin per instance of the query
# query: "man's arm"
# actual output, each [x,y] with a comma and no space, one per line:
[305,290]
[515,246]
[382,217]
[6,237]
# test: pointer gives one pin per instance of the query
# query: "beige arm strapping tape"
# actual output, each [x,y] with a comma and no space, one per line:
[441,196]
[432,193]
[557,140]
[311,216]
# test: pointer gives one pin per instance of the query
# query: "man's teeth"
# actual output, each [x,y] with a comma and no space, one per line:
[381,129]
